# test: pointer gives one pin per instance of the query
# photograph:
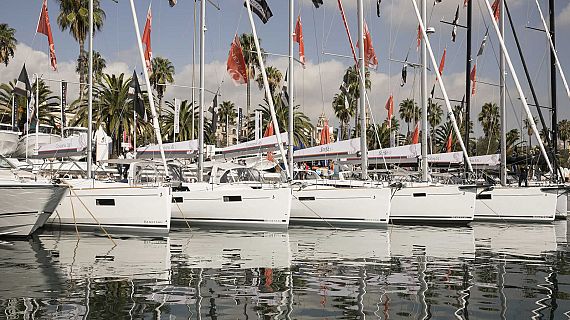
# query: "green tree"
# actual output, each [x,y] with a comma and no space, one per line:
[529,131]
[489,120]
[187,112]
[512,137]
[113,110]
[564,131]
[162,73]
[74,16]
[434,117]
[274,77]
[343,111]
[409,112]
[227,114]
[8,43]
[352,79]
[301,123]
[99,63]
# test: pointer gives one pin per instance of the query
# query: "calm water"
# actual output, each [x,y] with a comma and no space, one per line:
[487,271]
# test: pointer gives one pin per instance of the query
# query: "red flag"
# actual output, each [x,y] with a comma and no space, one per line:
[146,41]
[390,108]
[416,134]
[442,62]
[347,31]
[44,27]
[370,59]
[496,9]
[449,146]
[298,37]
[419,37]
[236,63]
[269,130]
[473,78]
[325,134]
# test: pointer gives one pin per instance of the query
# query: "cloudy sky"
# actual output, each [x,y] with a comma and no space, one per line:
[394,36]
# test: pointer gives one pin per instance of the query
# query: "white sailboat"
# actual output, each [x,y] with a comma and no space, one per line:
[512,203]
[25,204]
[116,206]
[333,202]
[234,197]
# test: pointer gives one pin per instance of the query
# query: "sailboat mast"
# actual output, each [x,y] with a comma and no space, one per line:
[290,91]
[424,97]
[362,80]
[155,123]
[90,96]
[268,92]
[518,85]
[468,77]
[553,62]
[503,100]
[202,84]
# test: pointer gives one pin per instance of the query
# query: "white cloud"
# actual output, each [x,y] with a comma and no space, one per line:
[308,84]
[564,16]
[38,62]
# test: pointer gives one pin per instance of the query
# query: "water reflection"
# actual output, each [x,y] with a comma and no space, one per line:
[486,271]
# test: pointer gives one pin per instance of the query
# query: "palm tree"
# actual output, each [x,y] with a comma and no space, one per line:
[162,73]
[74,16]
[512,138]
[301,123]
[409,111]
[227,113]
[564,131]
[187,112]
[435,114]
[99,63]
[352,79]
[529,131]
[8,43]
[247,43]
[49,104]
[113,110]
[343,112]
[489,120]
[274,77]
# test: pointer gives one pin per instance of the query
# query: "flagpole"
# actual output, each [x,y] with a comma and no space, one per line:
[424,98]
[134,131]
[201,93]
[90,96]
[147,82]
[268,92]
[290,84]
[13,111]
[36,147]
[442,86]
[362,77]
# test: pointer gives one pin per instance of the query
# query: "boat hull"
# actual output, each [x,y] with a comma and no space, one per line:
[30,145]
[532,204]
[433,205]
[330,206]
[90,205]
[8,142]
[25,207]
[231,206]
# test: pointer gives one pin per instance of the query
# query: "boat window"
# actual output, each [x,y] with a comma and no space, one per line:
[4,164]
[241,175]
[305,175]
